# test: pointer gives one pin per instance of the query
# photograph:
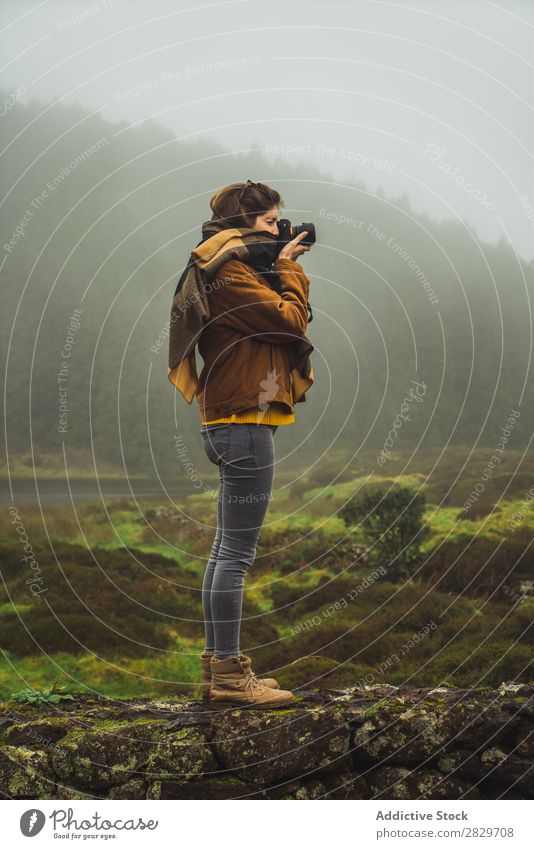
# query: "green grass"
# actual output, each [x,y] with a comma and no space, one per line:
[10,608]
[302,567]
[160,673]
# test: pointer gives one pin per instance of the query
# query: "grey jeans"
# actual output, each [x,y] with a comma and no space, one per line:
[244,454]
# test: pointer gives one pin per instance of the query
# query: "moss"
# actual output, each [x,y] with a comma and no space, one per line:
[182,734]
[400,790]
[282,711]
[154,790]
[24,773]
[21,784]
[113,724]
[394,705]
[23,756]
[373,709]
[128,766]
[40,731]
[105,726]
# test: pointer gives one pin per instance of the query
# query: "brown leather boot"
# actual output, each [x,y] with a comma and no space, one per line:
[205,683]
[233,684]
[205,675]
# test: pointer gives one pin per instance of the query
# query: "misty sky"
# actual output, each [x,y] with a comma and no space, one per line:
[431,98]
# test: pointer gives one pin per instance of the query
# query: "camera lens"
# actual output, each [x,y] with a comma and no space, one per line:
[301,228]
[288,231]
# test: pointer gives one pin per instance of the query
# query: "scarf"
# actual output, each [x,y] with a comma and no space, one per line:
[190,309]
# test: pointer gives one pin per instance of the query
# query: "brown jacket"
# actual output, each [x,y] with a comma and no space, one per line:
[245,343]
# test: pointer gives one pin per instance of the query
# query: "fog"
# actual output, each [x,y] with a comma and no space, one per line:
[403,131]
[429,98]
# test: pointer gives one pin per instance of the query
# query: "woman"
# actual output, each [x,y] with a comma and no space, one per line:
[246,391]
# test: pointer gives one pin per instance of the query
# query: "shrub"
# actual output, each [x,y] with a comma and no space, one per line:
[392,522]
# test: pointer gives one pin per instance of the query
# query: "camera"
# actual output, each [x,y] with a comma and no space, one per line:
[288,231]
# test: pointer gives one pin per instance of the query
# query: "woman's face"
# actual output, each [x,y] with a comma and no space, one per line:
[268,221]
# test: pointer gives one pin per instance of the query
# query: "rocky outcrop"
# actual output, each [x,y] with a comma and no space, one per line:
[378,742]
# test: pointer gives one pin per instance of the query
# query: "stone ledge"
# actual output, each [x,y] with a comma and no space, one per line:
[379,742]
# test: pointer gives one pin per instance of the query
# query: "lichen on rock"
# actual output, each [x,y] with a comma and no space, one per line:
[360,743]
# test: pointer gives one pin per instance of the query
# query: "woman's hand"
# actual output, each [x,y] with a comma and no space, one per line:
[294,249]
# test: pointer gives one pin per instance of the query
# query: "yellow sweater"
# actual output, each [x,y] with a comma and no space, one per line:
[275,414]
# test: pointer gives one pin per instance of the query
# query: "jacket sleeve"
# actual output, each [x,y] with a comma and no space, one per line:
[252,307]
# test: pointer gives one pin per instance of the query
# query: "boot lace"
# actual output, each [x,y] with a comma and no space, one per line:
[254,685]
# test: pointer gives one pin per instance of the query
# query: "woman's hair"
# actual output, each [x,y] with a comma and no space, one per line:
[238,204]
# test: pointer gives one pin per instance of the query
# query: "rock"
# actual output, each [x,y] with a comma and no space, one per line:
[521,740]
[310,790]
[98,759]
[226,787]
[343,785]
[183,754]
[135,788]
[505,768]
[397,732]
[25,774]
[493,765]
[265,746]
[401,783]
[380,742]
[461,763]
[43,733]
[69,793]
